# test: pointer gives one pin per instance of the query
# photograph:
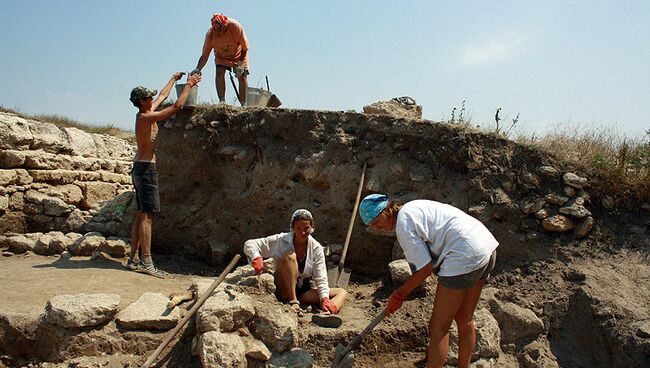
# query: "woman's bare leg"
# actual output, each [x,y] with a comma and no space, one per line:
[287,275]
[447,303]
[465,322]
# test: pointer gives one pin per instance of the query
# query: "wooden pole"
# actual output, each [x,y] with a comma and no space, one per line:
[189,315]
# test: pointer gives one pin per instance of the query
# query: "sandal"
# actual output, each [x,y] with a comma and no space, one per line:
[327,320]
[295,305]
[152,270]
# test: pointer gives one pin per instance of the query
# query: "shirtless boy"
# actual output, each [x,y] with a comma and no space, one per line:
[145,177]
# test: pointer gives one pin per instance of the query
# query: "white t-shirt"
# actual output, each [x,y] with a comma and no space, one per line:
[458,242]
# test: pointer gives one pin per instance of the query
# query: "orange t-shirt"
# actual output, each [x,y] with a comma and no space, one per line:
[227,45]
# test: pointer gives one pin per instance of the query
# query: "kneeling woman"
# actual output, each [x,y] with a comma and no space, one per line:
[441,239]
[300,272]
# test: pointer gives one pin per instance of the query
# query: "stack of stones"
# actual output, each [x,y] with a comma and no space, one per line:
[61,179]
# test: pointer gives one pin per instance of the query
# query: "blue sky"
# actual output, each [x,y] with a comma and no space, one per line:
[556,63]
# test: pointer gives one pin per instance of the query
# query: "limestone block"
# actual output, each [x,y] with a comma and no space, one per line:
[538,354]
[46,161]
[584,228]
[558,223]
[81,310]
[115,178]
[148,312]
[218,349]
[58,242]
[20,244]
[575,210]
[395,109]
[86,245]
[14,132]
[515,322]
[97,192]
[275,326]
[488,337]
[14,176]
[49,138]
[533,206]
[4,204]
[76,221]
[42,246]
[81,143]
[295,358]
[226,311]
[255,349]
[556,199]
[115,247]
[12,159]
[71,193]
[399,271]
[575,181]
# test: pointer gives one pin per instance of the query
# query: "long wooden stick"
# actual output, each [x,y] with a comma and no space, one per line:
[189,315]
[357,339]
[354,214]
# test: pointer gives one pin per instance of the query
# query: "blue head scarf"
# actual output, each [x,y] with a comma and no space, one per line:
[371,206]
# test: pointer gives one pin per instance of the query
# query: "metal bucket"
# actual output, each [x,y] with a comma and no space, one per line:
[191,99]
[257,97]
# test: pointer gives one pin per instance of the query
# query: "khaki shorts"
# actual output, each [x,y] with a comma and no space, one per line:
[468,280]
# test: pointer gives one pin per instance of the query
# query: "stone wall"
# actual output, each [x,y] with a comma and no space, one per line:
[61,179]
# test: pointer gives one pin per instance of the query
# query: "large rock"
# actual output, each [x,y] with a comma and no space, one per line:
[71,193]
[575,181]
[97,192]
[488,337]
[275,326]
[218,349]
[48,137]
[538,354]
[255,349]
[81,143]
[395,109]
[81,310]
[15,177]
[11,159]
[42,246]
[575,210]
[20,244]
[4,204]
[558,223]
[14,132]
[86,245]
[115,247]
[399,270]
[149,312]
[515,322]
[225,311]
[295,358]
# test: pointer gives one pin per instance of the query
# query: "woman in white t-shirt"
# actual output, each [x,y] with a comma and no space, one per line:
[441,239]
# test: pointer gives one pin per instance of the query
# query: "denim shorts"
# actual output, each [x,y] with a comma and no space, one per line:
[145,182]
[468,280]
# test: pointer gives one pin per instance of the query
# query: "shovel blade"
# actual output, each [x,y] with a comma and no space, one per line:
[341,360]
[336,279]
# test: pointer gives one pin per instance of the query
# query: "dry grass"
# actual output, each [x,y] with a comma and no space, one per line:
[65,122]
[622,165]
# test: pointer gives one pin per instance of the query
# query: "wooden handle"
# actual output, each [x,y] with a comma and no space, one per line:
[354,214]
[357,339]
[189,315]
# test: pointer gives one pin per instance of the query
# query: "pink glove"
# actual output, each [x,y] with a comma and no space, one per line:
[329,305]
[394,303]
[258,265]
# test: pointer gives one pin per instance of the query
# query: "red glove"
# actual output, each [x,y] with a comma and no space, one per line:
[329,305]
[394,302]
[258,265]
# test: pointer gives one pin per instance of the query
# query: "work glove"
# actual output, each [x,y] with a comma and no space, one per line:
[195,71]
[394,303]
[329,305]
[258,265]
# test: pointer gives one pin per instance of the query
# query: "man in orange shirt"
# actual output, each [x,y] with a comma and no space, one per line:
[228,40]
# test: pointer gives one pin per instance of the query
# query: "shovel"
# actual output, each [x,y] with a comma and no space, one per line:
[344,355]
[189,314]
[339,276]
